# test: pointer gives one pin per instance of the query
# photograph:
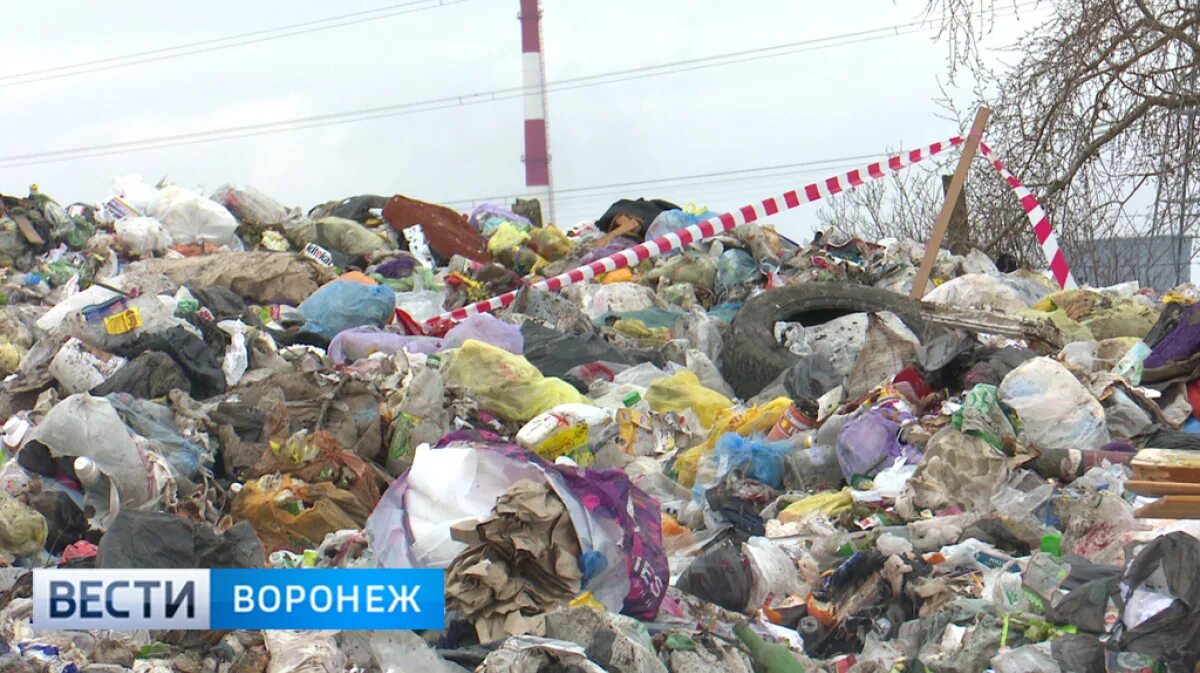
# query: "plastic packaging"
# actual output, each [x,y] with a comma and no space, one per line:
[735,267]
[754,458]
[1056,411]
[683,391]
[143,235]
[82,425]
[191,218]
[78,369]
[619,527]
[562,430]
[343,304]
[505,383]
[813,469]
[22,530]
[869,443]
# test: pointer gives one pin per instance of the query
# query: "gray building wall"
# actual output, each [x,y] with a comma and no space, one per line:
[1159,262]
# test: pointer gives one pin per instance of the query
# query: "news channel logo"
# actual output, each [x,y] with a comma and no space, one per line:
[228,599]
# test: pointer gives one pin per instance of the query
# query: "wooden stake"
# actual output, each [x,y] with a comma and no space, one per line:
[943,219]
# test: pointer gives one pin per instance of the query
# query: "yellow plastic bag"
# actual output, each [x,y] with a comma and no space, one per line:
[831,503]
[684,391]
[507,236]
[505,383]
[753,421]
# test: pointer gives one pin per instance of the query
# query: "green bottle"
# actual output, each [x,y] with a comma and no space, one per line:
[768,657]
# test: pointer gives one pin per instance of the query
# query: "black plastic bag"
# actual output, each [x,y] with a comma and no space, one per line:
[809,379]
[720,575]
[148,376]
[192,355]
[555,353]
[152,540]
[641,209]
[1165,567]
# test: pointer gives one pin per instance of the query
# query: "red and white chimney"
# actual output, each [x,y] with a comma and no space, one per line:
[537,139]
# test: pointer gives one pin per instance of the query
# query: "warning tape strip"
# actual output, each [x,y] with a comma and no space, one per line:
[1039,219]
[767,207]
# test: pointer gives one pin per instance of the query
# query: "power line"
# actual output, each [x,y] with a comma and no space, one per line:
[379,112]
[215,44]
[679,178]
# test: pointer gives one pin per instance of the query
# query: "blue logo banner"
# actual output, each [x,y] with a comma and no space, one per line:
[347,599]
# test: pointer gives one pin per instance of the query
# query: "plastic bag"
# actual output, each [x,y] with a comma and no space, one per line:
[550,243]
[361,342]
[142,235]
[735,267]
[774,575]
[343,304]
[754,458]
[86,426]
[190,218]
[345,236]
[1056,410]
[619,526]
[869,442]
[979,291]
[755,420]
[506,238]
[830,503]
[720,576]
[295,514]
[488,329]
[683,391]
[421,305]
[487,217]
[505,383]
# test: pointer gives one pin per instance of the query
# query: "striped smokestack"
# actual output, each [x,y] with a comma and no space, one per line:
[537,143]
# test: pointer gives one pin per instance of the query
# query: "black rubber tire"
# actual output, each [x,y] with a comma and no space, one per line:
[752,358]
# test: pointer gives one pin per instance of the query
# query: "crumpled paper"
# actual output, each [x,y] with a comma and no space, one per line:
[520,562]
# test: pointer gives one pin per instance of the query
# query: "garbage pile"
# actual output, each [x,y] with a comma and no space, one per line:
[747,454]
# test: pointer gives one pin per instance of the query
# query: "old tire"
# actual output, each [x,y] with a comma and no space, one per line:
[752,357]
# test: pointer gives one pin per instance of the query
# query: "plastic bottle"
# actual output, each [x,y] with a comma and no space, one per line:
[768,657]
[813,469]
[87,472]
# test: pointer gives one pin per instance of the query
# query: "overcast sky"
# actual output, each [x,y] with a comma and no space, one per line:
[820,104]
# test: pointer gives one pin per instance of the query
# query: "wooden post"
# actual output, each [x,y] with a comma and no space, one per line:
[958,232]
[943,219]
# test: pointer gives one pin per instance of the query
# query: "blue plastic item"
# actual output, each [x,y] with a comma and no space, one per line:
[1191,426]
[344,304]
[754,457]
[735,267]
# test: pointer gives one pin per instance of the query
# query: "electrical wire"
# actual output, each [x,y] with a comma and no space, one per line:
[379,112]
[215,44]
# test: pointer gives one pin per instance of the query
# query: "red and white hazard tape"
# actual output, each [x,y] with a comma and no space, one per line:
[746,214]
[1040,221]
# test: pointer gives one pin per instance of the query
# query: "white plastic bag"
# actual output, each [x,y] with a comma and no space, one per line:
[1056,410]
[978,291]
[421,305]
[237,357]
[190,218]
[142,235]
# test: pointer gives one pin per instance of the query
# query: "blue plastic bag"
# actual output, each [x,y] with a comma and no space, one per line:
[735,267]
[344,304]
[754,457]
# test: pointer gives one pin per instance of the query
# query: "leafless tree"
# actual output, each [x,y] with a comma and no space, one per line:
[1097,115]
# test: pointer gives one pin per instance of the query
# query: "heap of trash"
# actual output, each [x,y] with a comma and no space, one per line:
[744,454]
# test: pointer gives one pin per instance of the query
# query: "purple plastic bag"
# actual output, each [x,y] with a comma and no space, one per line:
[1180,343]
[869,443]
[489,329]
[599,501]
[359,343]
[617,245]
